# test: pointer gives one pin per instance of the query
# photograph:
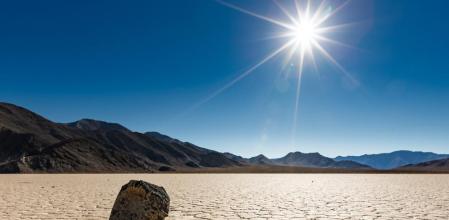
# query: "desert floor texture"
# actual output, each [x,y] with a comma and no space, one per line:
[233,196]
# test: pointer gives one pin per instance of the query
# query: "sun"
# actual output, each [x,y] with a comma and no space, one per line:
[305,32]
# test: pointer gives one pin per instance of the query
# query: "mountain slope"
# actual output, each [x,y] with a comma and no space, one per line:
[23,132]
[393,159]
[31,143]
[315,160]
[94,125]
[434,165]
[260,160]
[236,158]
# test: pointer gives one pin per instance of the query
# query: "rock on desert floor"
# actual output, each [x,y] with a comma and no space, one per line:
[233,196]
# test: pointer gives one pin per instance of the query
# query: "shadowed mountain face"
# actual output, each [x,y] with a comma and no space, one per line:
[394,159]
[236,158]
[31,143]
[434,165]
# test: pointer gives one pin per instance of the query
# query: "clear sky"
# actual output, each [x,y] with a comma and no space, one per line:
[145,64]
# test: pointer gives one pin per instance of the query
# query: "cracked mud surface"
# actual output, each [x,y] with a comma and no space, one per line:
[233,196]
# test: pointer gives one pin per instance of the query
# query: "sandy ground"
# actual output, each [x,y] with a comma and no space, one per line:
[234,196]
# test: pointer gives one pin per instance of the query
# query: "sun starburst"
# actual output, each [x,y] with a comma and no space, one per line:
[304,33]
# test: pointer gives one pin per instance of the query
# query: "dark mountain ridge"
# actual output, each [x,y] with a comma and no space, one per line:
[31,143]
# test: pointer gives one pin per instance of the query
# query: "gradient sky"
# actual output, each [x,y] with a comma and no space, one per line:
[144,64]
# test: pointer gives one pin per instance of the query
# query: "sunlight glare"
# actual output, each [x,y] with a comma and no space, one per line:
[305,32]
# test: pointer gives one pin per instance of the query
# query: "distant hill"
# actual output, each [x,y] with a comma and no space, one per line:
[299,159]
[31,143]
[260,160]
[315,160]
[394,159]
[430,166]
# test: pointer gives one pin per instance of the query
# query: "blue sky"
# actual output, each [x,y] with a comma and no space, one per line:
[144,64]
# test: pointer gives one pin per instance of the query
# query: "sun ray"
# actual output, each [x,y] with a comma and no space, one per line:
[304,34]
[307,13]
[341,44]
[298,9]
[285,11]
[312,59]
[317,13]
[332,13]
[290,54]
[244,74]
[338,27]
[333,61]
[298,92]
[285,25]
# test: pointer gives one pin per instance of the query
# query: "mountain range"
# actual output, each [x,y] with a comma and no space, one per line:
[30,143]
[394,159]
[299,159]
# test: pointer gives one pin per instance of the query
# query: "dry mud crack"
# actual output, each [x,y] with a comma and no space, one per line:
[233,196]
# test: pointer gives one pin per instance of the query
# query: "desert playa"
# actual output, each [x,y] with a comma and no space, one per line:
[233,196]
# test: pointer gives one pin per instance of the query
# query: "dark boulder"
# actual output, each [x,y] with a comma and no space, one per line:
[139,200]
